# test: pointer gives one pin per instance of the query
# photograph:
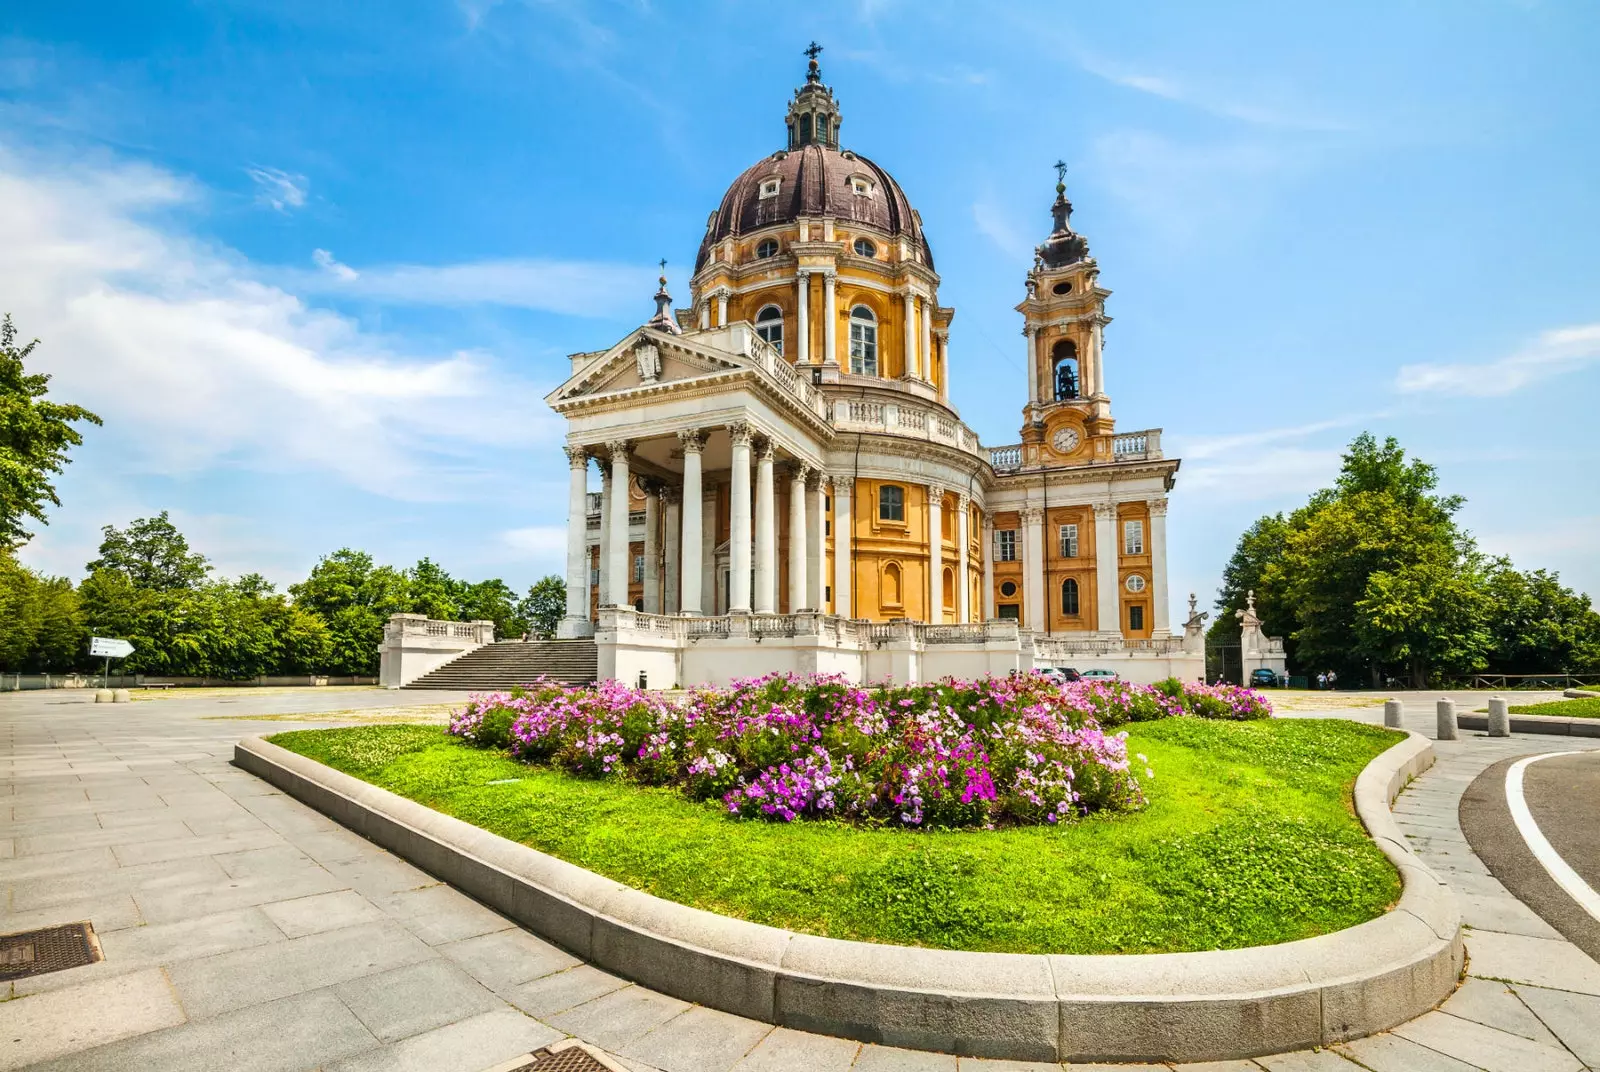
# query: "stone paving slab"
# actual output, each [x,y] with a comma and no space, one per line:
[84,1016]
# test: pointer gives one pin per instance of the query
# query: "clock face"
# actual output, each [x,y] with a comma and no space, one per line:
[1065,440]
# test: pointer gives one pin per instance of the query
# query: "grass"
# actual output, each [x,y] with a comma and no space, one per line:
[1587,707]
[1248,839]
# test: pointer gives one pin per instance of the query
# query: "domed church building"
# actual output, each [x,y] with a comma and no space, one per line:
[787,483]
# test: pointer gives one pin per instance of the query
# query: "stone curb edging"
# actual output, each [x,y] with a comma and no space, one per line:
[1554,724]
[1149,1007]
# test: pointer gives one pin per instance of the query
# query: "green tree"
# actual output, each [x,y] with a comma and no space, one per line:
[151,553]
[545,605]
[432,591]
[492,601]
[1539,625]
[35,435]
[41,622]
[354,598]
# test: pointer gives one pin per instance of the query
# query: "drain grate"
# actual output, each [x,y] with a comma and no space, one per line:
[572,1059]
[71,945]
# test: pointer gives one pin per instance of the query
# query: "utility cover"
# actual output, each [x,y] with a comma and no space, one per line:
[105,647]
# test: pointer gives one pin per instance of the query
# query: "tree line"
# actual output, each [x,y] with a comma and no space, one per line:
[1376,580]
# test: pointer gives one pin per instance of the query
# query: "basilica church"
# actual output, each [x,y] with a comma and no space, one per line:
[786,480]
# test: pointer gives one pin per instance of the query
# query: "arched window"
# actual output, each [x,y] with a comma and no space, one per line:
[767,248]
[866,248]
[1069,598]
[891,585]
[805,129]
[769,325]
[1065,359]
[949,587]
[822,129]
[863,342]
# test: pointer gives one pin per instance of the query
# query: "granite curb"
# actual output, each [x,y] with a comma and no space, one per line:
[1555,724]
[1205,1006]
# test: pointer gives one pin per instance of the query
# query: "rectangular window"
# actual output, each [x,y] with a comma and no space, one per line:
[638,568]
[1133,537]
[827,593]
[1136,617]
[891,503]
[863,348]
[1069,541]
[1006,545]
[1009,611]
[594,577]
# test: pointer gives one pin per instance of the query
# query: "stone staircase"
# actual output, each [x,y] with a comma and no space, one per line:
[509,663]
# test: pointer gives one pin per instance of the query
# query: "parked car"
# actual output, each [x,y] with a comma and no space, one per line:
[1098,675]
[1069,673]
[1050,673]
[1263,677]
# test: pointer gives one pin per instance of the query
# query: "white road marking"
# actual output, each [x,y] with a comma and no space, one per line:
[1558,869]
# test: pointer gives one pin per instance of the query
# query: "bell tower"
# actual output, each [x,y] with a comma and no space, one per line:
[1068,415]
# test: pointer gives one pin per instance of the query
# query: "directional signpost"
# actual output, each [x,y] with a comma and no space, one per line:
[110,649]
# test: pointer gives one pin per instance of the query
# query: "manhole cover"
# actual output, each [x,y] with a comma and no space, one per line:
[571,1059]
[71,945]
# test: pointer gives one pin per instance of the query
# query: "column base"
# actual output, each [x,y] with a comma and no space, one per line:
[574,629]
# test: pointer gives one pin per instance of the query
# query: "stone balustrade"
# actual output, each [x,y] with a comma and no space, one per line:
[414,644]
[906,419]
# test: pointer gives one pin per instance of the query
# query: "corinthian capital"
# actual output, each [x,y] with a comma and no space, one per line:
[1105,511]
[619,450]
[1158,507]
[740,432]
[693,440]
[577,457]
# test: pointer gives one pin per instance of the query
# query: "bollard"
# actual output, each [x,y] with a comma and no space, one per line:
[121,696]
[1391,714]
[102,695]
[1499,717]
[1447,720]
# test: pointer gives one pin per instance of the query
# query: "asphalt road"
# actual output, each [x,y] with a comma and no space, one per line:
[1563,797]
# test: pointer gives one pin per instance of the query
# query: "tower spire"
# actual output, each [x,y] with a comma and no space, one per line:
[663,320]
[813,117]
[1063,247]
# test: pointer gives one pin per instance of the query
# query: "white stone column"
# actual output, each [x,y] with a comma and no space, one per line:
[577,538]
[942,341]
[802,313]
[987,552]
[913,367]
[1108,613]
[690,599]
[619,566]
[722,308]
[844,525]
[604,596]
[1097,345]
[766,582]
[1158,568]
[672,553]
[963,582]
[1032,518]
[935,554]
[816,517]
[798,592]
[652,548]
[708,551]
[739,521]
[1028,333]
[830,321]
[705,314]
[925,312]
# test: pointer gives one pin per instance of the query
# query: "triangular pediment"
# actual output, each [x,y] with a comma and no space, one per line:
[646,359]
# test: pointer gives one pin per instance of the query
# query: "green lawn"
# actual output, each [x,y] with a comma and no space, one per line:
[1588,707]
[1249,839]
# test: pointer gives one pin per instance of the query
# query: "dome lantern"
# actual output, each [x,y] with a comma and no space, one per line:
[813,117]
[1064,246]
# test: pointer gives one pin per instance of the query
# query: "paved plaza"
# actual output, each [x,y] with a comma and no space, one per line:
[244,931]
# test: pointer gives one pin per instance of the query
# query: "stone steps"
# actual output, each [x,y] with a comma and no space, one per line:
[510,663]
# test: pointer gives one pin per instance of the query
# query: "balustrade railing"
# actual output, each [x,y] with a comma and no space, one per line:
[1133,446]
[416,625]
[896,418]
[1006,457]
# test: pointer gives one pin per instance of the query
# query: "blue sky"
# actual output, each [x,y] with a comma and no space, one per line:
[317,263]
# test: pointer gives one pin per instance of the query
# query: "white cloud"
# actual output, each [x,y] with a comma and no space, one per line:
[278,190]
[1264,464]
[994,225]
[324,260]
[542,543]
[574,288]
[1244,107]
[1553,353]
[1185,191]
[199,364]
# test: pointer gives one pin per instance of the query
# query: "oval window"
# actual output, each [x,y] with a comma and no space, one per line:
[1008,588]
[866,248]
[1061,288]
[767,248]
[1135,583]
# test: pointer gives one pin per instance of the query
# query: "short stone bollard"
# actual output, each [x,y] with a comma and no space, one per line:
[1499,717]
[121,696]
[102,696]
[1447,720]
[1391,714]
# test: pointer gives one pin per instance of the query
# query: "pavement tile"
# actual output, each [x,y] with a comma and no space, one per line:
[616,1019]
[440,914]
[562,990]
[1539,961]
[468,1046]
[506,958]
[194,845]
[62,1022]
[54,824]
[333,845]
[416,998]
[199,898]
[275,859]
[108,913]
[985,1064]
[379,873]
[1502,913]
[888,1059]
[1486,1047]
[1308,1061]
[37,844]
[289,1035]
[55,865]
[787,1050]
[1204,1066]
[321,912]
[701,1040]
[224,982]
[1390,1053]
[1494,1004]
[1122,1068]
[1575,1019]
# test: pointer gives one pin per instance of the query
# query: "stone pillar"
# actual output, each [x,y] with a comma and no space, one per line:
[963,582]
[935,554]
[816,521]
[577,542]
[652,547]
[1031,519]
[1161,623]
[1107,552]
[1097,345]
[988,567]
[830,322]
[913,367]
[617,522]
[802,312]
[739,521]
[722,308]
[672,553]
[925,311]
[844,524]
[1028,333]
[708,549]
[705,314]
[604,597]
[691,599]
[942,341]
[766,581]
[799,595]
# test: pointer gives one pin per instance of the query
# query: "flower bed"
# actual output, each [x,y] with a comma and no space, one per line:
[1010,751]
